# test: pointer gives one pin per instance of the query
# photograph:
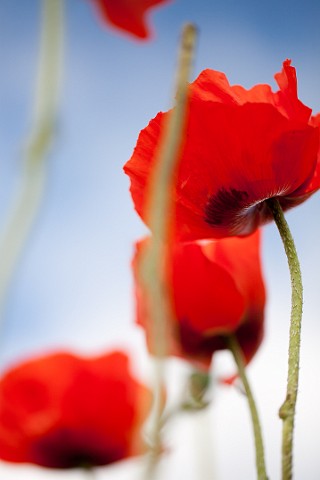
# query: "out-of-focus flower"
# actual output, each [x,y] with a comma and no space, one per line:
[128,15]
[64,411]
[217,289]
[241,147]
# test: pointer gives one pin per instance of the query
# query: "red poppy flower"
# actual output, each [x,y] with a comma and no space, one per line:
[241,147]
[63,411]
[217,289]
[127,15]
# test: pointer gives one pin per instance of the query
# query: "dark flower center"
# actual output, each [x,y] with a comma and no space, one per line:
[66,448]
[222,207]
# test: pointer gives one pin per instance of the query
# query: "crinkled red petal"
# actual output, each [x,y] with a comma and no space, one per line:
[233,158]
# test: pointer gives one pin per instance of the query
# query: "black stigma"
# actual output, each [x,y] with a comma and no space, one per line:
[221,207]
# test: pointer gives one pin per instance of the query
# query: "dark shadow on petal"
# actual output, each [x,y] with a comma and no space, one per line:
[196,344]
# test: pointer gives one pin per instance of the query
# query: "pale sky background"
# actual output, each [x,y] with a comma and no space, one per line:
[73,288]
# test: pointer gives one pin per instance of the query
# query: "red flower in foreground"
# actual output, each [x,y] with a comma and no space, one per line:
[217,289]
[127,15]
[241,148]
[63,411]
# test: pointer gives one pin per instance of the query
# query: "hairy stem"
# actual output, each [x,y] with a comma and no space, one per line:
[287,410]
[26,204]
[238,357]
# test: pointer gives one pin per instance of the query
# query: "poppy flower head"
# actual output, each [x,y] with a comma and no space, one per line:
[241,147]
[64,411]
[128,15]
[217,289]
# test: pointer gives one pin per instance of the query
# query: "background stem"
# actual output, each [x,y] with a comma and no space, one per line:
[23,212]
[153,265]
[287,410]
[236,351]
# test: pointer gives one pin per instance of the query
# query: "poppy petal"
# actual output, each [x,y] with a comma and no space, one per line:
[128,15]
[237,152]
[217,289]
[48,418]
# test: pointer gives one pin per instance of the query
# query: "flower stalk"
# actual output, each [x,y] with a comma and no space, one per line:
[28,198]
[90,473]
[287,410]
[152,268]
[236,351]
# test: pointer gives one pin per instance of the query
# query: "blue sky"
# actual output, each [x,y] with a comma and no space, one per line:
[73,286]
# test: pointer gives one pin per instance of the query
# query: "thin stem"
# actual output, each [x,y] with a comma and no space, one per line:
[152,268]
[157,419]
[287,410]
[160,199]
[25,207]
[238,357]
[199,383]
[90,473]
[202,440]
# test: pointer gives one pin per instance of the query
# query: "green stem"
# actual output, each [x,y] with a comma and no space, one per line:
[90,473]
[159,202]
[287,410]
[238,357]
[25,207]
[203,439]
[152,268]
[157,420]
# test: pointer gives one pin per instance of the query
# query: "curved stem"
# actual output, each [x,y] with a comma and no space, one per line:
[238,357]
[28,198]
[287,410]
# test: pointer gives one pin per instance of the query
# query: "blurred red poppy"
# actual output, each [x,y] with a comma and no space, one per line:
[241,148]
[217,289]
[64,411]
[127,15]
